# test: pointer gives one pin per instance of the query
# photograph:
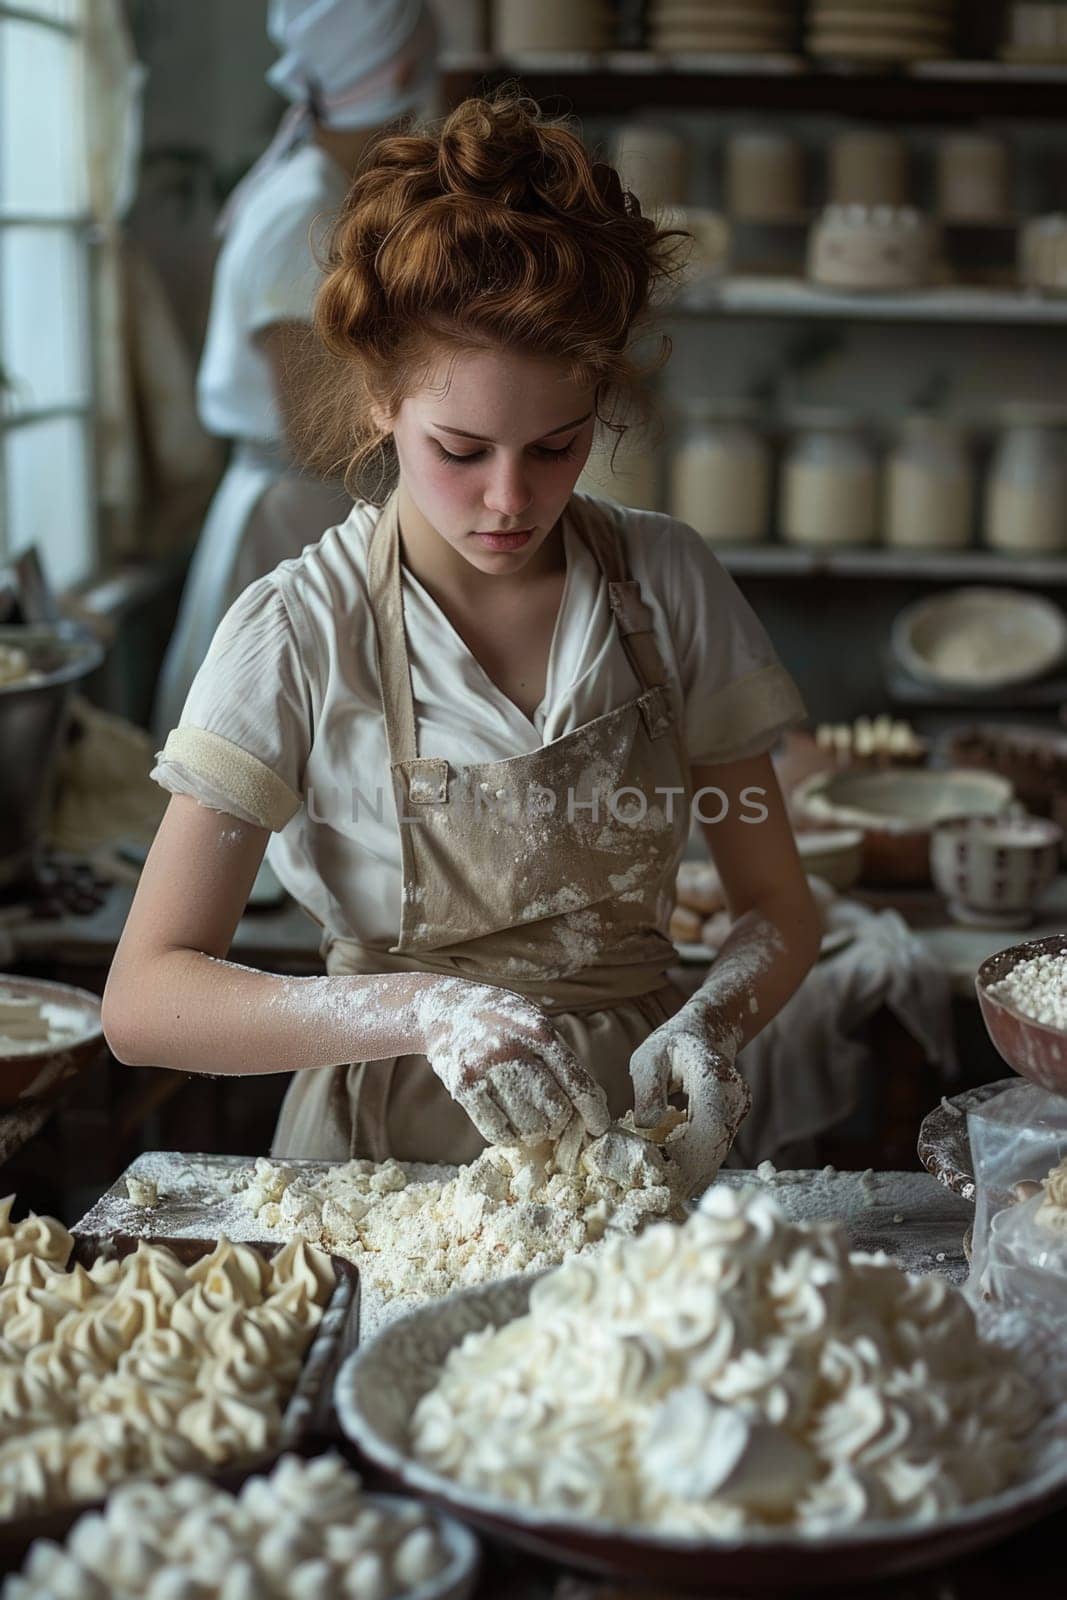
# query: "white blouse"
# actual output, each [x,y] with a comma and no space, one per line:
[283,725]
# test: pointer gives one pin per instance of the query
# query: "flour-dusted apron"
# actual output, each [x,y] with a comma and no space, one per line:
[549,873]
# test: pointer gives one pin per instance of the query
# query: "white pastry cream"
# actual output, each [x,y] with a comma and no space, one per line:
[141,1365]
[737,1371]
[304,1533]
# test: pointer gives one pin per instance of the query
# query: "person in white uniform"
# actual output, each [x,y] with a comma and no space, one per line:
[350,67]
[474,722]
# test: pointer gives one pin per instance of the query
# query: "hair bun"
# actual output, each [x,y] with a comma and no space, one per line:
[502,150]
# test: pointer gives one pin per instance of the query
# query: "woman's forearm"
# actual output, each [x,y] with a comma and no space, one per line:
[195,1013]
[765,958]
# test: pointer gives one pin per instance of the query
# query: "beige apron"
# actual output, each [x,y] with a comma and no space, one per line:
[550,874]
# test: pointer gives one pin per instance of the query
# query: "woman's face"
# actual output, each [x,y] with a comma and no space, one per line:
[489,449]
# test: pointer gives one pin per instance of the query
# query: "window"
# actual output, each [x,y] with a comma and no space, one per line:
[46,487]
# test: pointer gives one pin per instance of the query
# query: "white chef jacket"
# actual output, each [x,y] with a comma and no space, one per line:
[284,727]
[266,273]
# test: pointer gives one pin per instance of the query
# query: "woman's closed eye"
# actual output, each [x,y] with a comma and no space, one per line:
[541,450]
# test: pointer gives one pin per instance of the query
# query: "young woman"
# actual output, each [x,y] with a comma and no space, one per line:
[474,722]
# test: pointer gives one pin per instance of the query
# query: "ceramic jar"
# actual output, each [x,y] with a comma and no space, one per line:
[721,473]
[829,481]
[1026,492]
[929,486]
[763,177]
[653,162]
[973,178]
[868,167]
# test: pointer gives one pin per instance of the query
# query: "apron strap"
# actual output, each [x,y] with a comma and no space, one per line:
[394,661]
[633,619]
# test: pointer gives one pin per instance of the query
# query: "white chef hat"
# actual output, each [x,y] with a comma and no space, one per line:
[355,63]
[351,64]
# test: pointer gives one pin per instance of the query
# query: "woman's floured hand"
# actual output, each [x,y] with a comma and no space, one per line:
[501,1059]
[679,1057]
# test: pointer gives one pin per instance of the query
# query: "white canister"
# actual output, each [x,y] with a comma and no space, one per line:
[653,162]
[763,178]
[1026,491]
[829,481]
[973,178]
[869,167]
[721,474]
[929,486]
[550,25]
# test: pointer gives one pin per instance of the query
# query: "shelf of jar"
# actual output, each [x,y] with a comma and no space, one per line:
[713,64]
[756,295]
[772,560]
[607,82]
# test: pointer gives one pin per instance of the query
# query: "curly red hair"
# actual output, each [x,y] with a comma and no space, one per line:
[498,229]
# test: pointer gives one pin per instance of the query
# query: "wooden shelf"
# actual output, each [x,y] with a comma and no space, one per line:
[613,82]
[755,295]
[907,566]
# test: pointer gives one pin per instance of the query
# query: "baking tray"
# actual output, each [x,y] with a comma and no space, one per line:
[308,1423]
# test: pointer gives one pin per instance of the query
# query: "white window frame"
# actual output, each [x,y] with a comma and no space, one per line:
[80,227]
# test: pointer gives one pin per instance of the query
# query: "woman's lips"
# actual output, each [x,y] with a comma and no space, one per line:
[506,541]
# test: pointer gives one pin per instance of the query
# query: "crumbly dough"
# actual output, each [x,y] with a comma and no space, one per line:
[143,1192]
[516,1209]
[737,1371]
[141,1365]
[306,1532]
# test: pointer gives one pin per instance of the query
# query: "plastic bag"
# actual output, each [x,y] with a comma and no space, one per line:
[1019,1248]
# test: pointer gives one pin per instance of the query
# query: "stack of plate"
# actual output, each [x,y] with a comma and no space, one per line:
[881,30]
[720,27]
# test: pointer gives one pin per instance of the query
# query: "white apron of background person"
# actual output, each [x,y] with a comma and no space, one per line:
[285,727]
[266,274]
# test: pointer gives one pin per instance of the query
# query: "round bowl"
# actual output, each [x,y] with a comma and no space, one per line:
[980,639]
[992,870]
[32,718]
[833,854]
[895,810]
[1034,1049]
[379,1385]
[33,1068]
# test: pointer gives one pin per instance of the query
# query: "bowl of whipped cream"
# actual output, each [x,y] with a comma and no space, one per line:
[714,1404]
[48,1031]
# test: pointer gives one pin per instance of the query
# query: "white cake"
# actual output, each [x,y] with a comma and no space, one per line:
[871,247]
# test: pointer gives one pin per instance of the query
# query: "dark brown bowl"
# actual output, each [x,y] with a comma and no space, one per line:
[1034,1049]
[381,1382]
[24,1076]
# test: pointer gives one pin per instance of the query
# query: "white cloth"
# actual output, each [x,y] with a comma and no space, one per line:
[266,273]
[288,701]
[806,1067]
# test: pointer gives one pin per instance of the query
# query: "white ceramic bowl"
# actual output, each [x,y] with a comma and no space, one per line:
[980,639]
[992,870]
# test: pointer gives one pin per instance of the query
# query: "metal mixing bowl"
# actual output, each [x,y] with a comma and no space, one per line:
[32,718]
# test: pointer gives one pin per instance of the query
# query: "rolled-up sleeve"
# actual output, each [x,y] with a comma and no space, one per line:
[243,740]
[738,697]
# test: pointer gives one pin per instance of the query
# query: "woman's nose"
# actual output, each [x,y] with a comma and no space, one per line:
[508,493]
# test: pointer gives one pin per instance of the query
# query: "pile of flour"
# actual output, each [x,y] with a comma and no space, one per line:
[515,1209]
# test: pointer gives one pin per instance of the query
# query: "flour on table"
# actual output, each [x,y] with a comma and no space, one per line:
[515,1209]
